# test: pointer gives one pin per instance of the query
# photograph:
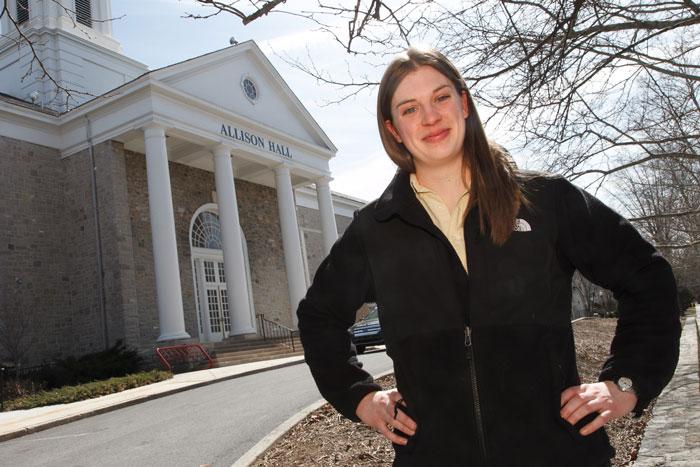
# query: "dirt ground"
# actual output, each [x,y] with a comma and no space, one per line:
[324,438]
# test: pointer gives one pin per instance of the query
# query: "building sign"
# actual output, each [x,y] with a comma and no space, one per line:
[255,140]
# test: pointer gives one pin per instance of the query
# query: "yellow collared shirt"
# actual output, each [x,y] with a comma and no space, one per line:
[450,223]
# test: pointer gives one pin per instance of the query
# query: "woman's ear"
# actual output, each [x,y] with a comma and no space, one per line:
[390,126]
[465,104]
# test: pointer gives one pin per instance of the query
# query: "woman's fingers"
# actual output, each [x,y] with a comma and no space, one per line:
[572,400]
[604,398]
[588,407]
[404,424]
[604,417]
[379,411]
[391,436]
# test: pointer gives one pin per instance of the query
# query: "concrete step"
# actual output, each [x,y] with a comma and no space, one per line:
[227,347]
[239,359]
[259,352]
[236,351]
[236,342]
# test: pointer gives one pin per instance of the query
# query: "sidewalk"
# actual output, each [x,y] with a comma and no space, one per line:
[22,422]
[672,437]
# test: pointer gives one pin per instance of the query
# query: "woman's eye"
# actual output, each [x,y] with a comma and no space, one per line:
[443,97]
[408,110]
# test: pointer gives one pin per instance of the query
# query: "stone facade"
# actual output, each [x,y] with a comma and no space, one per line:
[312,237]
[49,275]
[35,280]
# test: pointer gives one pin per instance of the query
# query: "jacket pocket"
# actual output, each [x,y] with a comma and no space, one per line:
[560,383]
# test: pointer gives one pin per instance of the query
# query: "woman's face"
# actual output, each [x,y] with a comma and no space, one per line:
[427,116]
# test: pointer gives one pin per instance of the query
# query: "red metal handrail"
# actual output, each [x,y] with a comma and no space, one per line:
[190,354]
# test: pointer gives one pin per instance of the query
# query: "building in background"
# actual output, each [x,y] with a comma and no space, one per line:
[150,206]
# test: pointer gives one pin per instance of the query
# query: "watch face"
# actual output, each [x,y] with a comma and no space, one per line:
[624,383]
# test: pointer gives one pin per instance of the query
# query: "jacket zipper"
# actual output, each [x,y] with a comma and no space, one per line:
[475,391]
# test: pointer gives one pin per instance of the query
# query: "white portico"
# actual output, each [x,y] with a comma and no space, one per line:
[228,113]
[185,118]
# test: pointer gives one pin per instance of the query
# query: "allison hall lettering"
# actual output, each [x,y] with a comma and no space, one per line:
[255,140]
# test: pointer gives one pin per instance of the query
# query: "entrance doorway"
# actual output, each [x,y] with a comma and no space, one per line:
[213,313]
[214,299]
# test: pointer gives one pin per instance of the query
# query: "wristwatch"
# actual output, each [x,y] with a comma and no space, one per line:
[625,384]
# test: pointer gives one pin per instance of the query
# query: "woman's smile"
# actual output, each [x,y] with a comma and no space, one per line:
[437,136]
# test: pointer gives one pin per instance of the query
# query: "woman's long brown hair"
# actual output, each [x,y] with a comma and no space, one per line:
[493,183]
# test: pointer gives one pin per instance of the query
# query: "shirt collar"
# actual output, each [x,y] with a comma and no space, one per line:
[420,189]
[417,187]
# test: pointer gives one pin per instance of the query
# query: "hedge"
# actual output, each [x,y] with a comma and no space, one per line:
[90,390]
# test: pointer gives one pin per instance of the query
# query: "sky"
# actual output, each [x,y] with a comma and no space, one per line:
[155,33]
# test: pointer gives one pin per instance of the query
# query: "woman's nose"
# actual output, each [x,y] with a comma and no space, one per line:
[430,115]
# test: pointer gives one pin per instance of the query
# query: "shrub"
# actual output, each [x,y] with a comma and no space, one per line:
[115,361]
[80,392]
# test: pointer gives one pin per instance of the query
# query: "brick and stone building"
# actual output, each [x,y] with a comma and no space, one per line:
[158,206]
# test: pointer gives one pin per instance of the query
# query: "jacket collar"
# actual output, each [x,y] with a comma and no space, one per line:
[399,199]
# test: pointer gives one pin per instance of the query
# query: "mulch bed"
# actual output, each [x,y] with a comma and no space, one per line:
[324,438]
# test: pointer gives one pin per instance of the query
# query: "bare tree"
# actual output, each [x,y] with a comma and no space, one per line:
[589,298]
[664,199]
[584,83]
[584,293]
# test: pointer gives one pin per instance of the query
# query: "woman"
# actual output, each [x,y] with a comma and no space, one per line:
[470,263]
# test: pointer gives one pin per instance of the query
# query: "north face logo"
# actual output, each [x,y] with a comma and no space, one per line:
[521,225]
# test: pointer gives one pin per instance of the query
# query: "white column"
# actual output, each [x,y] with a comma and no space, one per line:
[325,208]
[293,261]
[167,268]
[234,261]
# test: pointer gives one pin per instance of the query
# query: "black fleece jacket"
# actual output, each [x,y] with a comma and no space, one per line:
[495,401]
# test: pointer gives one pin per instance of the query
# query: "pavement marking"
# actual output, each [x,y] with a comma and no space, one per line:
[76,435]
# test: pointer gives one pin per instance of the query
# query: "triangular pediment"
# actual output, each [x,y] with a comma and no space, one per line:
[218,79]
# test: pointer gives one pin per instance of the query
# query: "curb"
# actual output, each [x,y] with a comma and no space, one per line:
[673,433]
[137,400]
[264,444]
[261,446]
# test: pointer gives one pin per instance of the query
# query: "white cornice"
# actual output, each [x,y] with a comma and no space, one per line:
[343,205]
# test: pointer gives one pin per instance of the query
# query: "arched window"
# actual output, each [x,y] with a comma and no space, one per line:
[206,231]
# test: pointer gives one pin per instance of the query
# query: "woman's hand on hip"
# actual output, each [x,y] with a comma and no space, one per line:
[605,398]
[379,410]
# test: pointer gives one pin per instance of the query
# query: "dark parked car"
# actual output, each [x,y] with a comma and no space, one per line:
[367,331]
